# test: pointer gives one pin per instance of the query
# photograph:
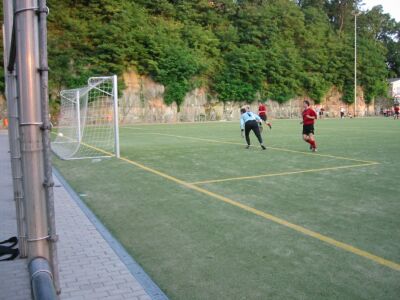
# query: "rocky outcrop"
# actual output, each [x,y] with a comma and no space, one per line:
[142,101]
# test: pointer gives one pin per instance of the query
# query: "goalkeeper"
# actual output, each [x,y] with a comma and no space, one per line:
[250,122]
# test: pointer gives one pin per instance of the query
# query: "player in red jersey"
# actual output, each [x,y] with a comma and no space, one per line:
[396,111]
[262,112]
[309,117]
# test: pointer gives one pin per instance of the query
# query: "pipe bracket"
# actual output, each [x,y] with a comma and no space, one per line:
[38,239]
[25,9]
[40,271]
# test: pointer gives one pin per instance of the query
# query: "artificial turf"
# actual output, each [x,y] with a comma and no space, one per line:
[196,209]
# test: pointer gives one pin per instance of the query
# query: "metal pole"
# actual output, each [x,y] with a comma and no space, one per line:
[27,57]
[116,126]
[48,183]
[13,130]
[355,63]
[78,115]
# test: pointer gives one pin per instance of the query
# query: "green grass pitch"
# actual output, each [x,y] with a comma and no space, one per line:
[208,219]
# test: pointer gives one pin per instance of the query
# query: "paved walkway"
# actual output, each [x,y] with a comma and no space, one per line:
[92,264]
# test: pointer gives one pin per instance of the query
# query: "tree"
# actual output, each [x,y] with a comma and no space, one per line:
[242,75]
[242,50]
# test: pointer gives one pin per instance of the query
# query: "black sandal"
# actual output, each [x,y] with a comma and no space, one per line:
[13,253]
[12,240]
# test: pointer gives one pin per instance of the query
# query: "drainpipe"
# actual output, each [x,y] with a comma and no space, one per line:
[41,279]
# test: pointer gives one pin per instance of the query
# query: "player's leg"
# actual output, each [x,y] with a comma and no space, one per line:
[309,140]
[308,136]
[306,139]
[247,129]
[312,142]
[268,123]
[256,131]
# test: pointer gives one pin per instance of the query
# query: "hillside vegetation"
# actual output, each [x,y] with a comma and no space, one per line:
[239,50]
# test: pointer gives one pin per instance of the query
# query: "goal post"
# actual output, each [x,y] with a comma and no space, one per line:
[87,124]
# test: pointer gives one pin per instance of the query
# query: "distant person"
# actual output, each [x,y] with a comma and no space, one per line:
[318,110]
[321,112]
[309,117]
[342,112]
[396,112]
[249,121]
[5,122]
[262,112]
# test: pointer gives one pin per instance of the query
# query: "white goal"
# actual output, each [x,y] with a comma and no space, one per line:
[87,124]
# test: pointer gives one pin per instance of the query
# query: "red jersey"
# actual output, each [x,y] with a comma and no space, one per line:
[311,113]
[396,109]
[262,110]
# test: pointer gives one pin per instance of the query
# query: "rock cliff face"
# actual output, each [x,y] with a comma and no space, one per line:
[142,101]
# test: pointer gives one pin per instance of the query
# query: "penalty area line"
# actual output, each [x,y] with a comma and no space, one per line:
[283,173]
[268,147]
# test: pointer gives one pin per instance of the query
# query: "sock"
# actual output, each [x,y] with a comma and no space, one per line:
[313,144]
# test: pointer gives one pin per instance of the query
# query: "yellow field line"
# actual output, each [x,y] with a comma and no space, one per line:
[281,174]
[198,139]
[272,148]
[134,128]
[305,231]
[324,155]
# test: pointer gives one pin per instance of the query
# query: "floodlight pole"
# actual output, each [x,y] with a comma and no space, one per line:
[355,13]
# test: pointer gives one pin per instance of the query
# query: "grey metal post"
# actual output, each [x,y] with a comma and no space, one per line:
[13,130]
[48,183]
[78,115]
[355,13]
[27,59]
[116,115]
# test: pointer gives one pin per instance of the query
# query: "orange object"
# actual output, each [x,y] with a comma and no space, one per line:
[5,122]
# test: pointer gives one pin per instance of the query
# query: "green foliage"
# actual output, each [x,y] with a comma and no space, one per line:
[241,50]
[175,68]
[242,76]
[372,69]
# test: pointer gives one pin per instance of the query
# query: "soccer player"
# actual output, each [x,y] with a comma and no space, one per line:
[262,112]
[249,122]
[342,112]
[309,117]
[396,111]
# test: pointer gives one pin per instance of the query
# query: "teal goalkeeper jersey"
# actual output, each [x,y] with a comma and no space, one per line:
[248,116]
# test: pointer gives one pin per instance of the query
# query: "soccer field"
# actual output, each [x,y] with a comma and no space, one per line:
[208,219]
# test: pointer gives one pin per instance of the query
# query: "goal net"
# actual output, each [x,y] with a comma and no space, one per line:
[87,125]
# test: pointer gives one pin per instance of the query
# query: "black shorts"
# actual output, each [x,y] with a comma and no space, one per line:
[263,117]
[307,129]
